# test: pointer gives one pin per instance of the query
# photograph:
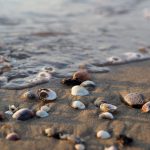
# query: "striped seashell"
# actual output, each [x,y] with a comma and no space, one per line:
[146,107]
[108,107]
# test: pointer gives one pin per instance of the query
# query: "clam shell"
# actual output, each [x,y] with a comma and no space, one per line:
[82,75]
[13,136]
[45,108]
[41,114]
[79,147]
[79,91]
[103,134]
[88,84]
[23,114]
[146,107]
[47,94]
[134,99]
[71,82]
[108,107]
[29,95]
[106,115]
[111,148]
[78,105]
[99,101]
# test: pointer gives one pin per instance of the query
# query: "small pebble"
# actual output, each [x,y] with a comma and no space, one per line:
[71,82]
[13,136]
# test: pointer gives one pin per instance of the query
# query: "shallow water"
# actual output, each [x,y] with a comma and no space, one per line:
[64,34]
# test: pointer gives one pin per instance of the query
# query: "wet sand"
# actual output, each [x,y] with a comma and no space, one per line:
[122,79]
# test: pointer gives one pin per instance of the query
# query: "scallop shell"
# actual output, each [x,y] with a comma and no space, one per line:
[82,75]
[99,101]
[47,94]
[41,114]
[23,114]
[45,108]
[79,91]
[108,107]
[146,107]
[106,115]
[71,82]
[134,100]
[79,147]
[13,136]
[103,134]
[88,84]
[29,95]
[78,105]
[111,148]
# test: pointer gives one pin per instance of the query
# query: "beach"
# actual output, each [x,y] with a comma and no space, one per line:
[122,79]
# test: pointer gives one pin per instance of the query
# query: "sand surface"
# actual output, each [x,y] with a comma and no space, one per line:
[134,77]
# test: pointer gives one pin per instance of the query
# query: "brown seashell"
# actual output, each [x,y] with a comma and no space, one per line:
[13,136]
[146,107]
[81,75]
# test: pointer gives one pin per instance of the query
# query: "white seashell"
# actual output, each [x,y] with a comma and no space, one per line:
[108,107]
[41,114]
[9,112]
[106,115]
[45,108]
[111,148]
[79,91]
[49,132]
[44,75]
[103,134]
[146,107]
[13,108]
[78,105]
[79,147]
[134,99]
[88,83]
[47,94]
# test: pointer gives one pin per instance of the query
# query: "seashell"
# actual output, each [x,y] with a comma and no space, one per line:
[47,94]
[23,114]
[135,100]
[13,108]
[78,105]
[49,132]
[79,91]
[29,95]
[9,112]
[13,136]
[41,113]
[82,75]
[99,101]
[45,108]
[146,107]
[103,134]
[108,107]
[111,148]
[106,115]
[44,75]
[124,140]
[70,81]
[88,84]
[79,146]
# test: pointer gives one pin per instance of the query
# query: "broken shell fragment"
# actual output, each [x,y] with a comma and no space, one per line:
[103,134]
[124,140]
[99,101]
[47,94]
[45,108]
[88,84]
[41,114]
[135,100]
[79,91]
[108,107]
[106,115]
[79,146]
[70,82]
[29,95]
[78,105]
[13,136]
[82,75]
[23,114]
[146,107]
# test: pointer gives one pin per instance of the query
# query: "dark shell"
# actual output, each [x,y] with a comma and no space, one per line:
[71,82]
[23,114]
[124,140]
[13,137]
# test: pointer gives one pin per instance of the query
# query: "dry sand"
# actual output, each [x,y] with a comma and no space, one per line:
[134,77]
